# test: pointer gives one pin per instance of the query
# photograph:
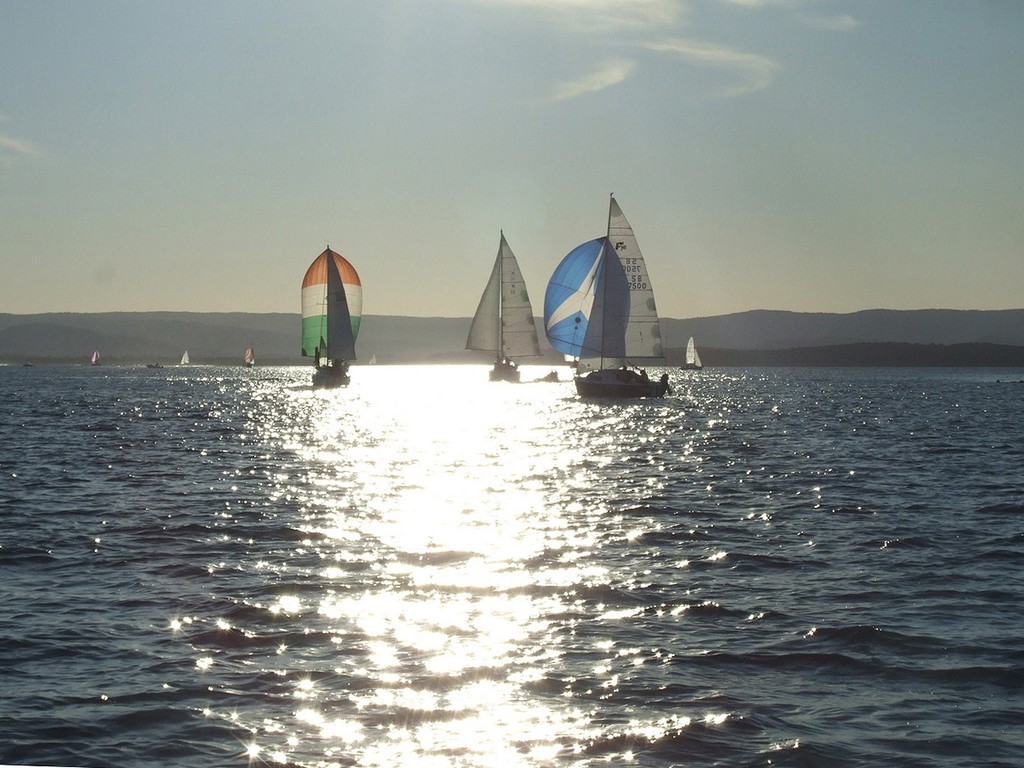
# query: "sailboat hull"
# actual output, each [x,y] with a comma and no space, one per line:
[504,371]
[329,376]
[620,383]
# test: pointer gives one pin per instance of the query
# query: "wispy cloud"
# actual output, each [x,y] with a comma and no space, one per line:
[763,3]
[611,73]
[841,23]
[601,15]
[837,23]
[755,72]
[639,25]
[11,148]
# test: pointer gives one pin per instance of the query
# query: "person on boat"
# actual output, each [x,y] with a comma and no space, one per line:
[627,374]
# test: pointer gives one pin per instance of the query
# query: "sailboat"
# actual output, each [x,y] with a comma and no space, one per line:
[95,358]
[184,358]
[503,323]
[599,309]
[249,358]
[692,357]
[332,307]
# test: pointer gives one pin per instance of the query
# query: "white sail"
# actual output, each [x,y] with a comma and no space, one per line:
[623,326]
[692,356]
[504,322]
[184,358]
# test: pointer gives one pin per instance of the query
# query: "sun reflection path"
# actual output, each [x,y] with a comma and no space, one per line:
[444,559]
[452,522]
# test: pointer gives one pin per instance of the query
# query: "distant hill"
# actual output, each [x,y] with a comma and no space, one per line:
[220,338]
[147,337]
[161,337]
[769,329]
[871,354]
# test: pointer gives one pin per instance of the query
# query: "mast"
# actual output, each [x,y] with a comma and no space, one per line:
[500,347]
[604,275]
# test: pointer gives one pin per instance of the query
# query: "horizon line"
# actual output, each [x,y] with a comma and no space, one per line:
[469,316]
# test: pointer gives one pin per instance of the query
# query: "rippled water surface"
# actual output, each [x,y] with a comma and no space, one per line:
[222,567]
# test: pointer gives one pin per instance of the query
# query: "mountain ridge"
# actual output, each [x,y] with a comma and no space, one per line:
[221,337]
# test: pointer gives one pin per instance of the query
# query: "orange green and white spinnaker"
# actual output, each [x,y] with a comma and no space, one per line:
[332,306]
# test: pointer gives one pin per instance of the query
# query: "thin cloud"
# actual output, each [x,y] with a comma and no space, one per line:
[619,15]
[763,3]
[756,72]
[841,23]
[11,148]
[636,25]
[612,73]
[838,23]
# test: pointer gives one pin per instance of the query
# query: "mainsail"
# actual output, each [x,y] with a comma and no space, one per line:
[184,358]
[332,305]
[504,322]
[250,357]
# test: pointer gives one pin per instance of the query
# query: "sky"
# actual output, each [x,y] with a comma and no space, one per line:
[804,155]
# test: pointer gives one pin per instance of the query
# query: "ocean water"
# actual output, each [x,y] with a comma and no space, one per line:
[771,567]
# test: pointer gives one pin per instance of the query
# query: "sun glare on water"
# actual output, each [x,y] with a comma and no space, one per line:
[431,505]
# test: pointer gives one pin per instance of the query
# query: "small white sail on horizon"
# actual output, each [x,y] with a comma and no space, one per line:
[692,356]
[184,358]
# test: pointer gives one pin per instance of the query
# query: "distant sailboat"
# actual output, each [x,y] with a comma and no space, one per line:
[184,358]
[332,308]
[692,357]
[250,357]
[503,323]
[95,358]
[599,309]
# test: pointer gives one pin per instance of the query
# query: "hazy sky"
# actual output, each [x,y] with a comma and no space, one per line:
[811,155]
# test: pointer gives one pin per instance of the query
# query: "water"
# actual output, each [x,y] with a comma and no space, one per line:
[221,567]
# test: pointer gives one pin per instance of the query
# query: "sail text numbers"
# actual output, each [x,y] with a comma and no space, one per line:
[635,273]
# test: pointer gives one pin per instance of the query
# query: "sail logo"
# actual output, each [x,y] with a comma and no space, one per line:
[620,246]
